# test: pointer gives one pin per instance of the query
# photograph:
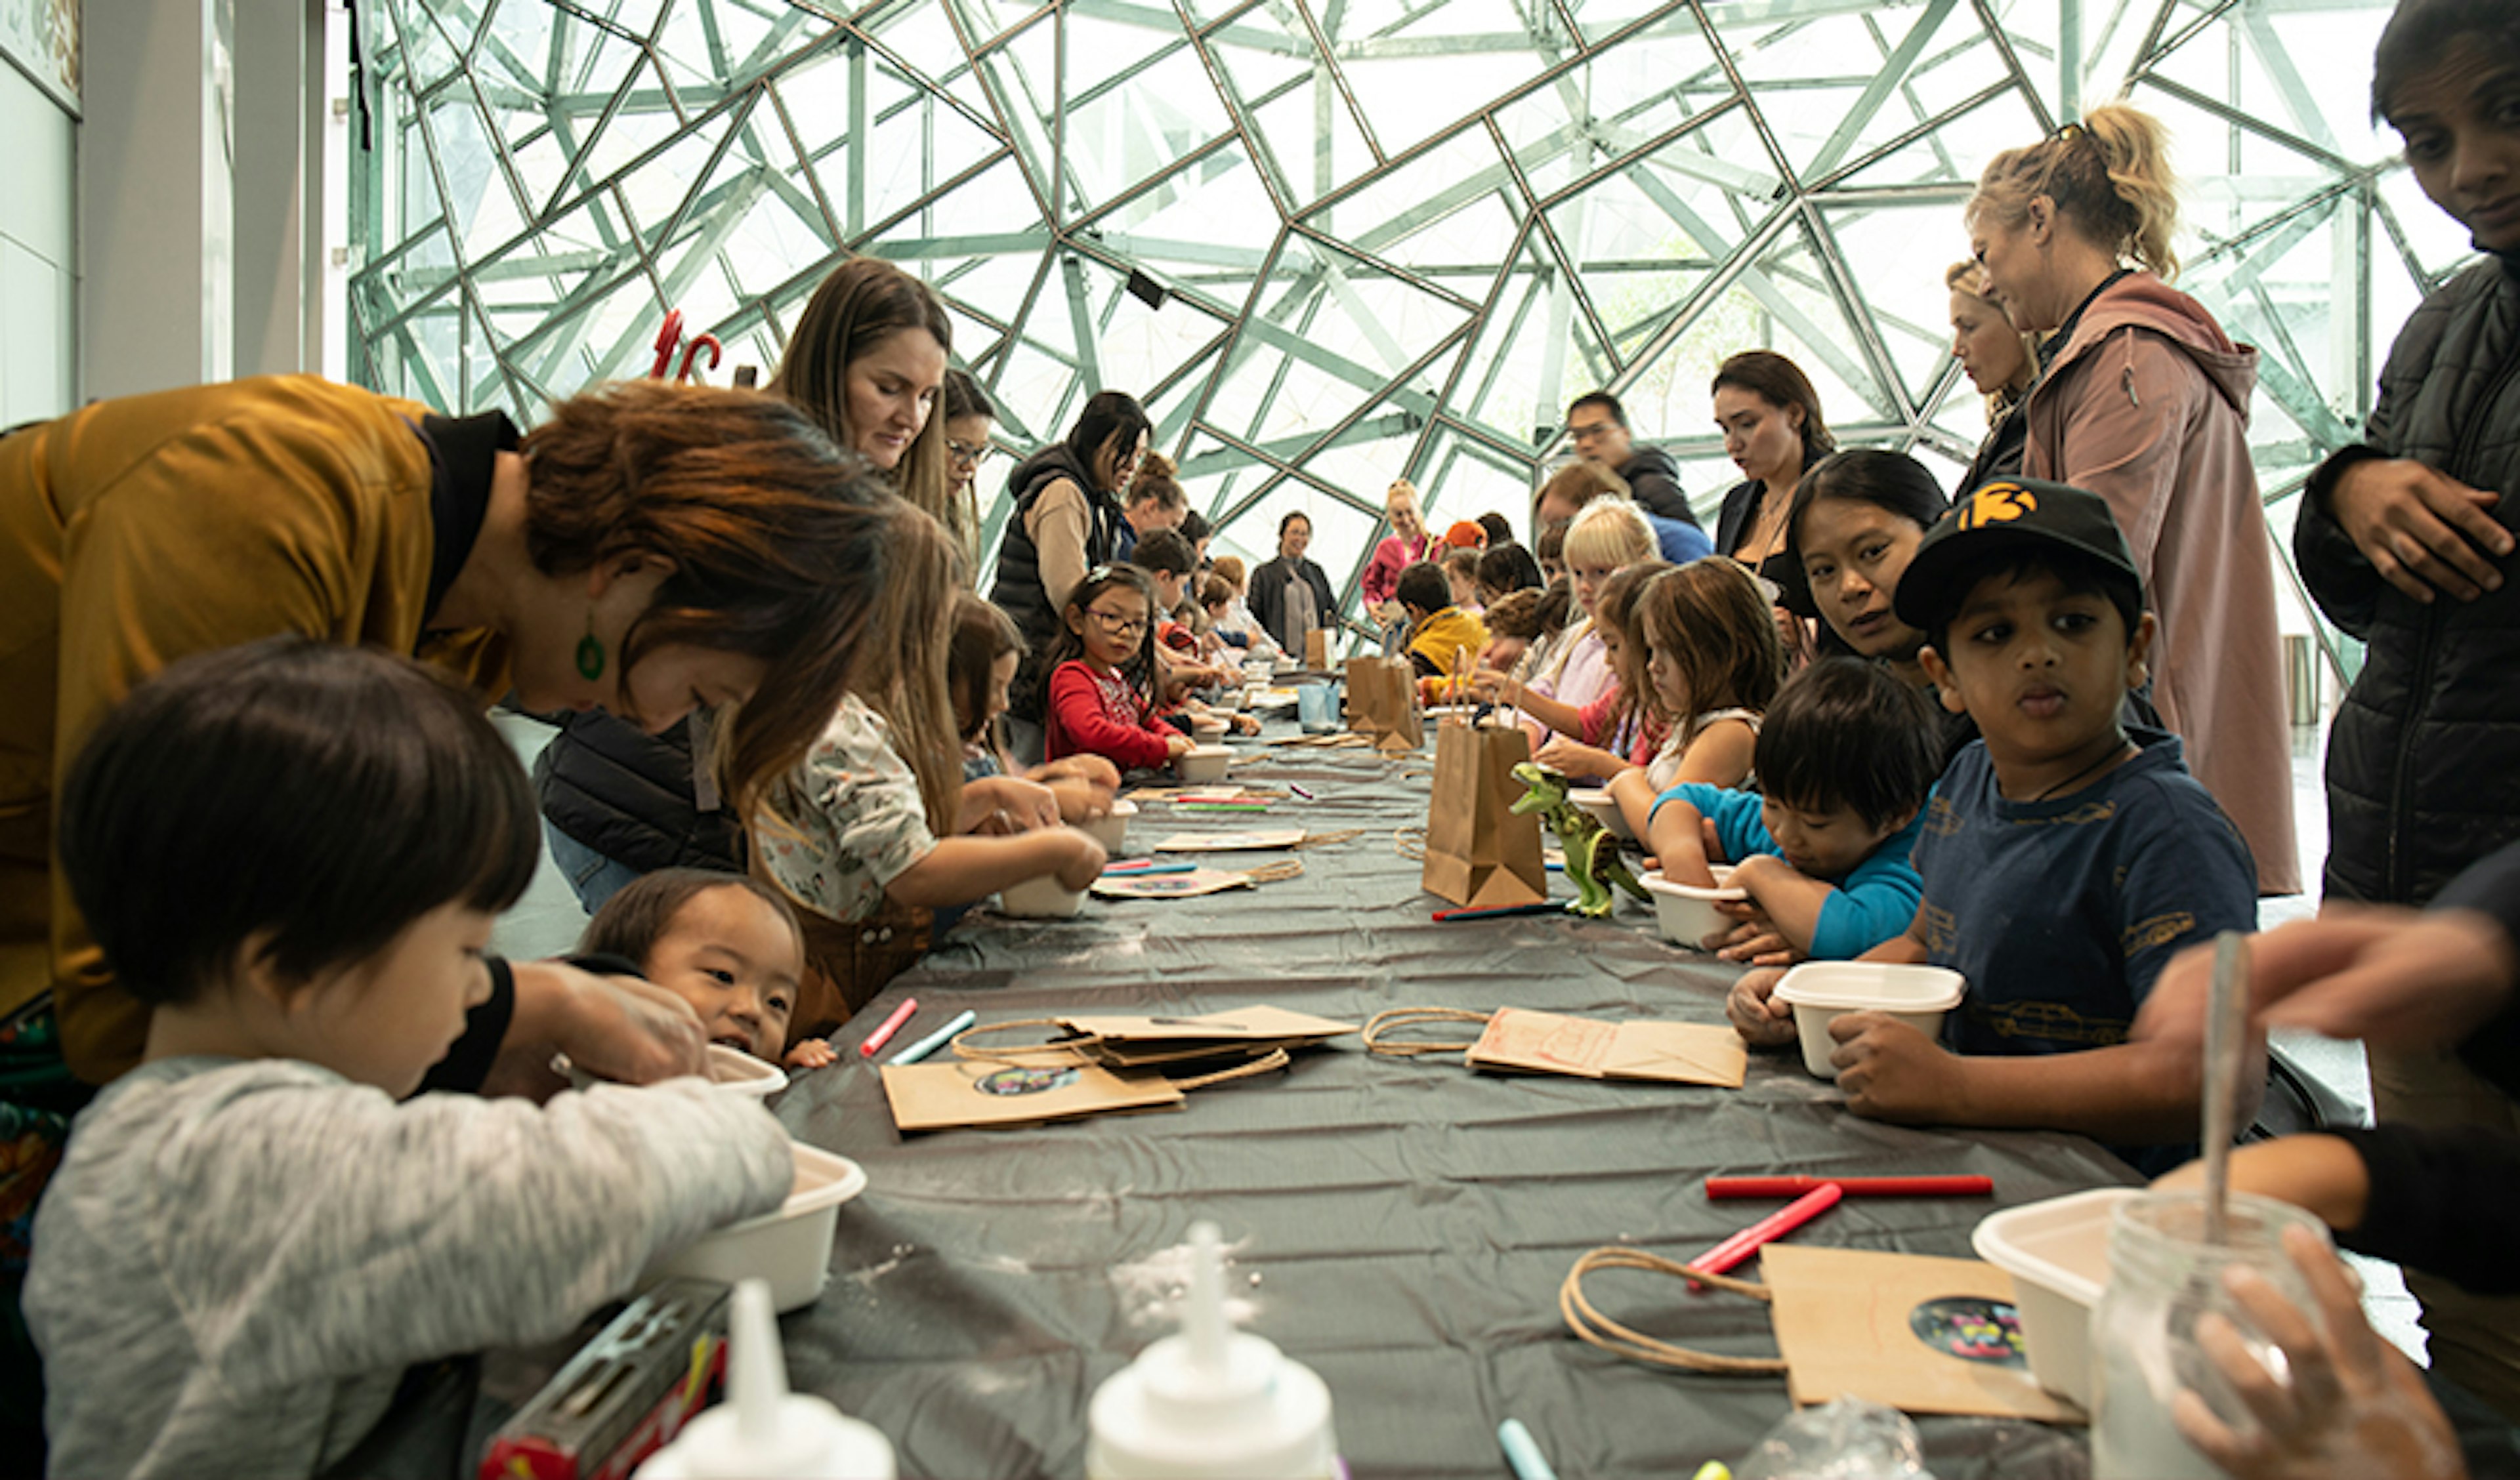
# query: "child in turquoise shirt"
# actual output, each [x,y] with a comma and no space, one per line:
[1847,755]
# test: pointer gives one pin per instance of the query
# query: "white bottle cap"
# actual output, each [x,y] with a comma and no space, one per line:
[763,1431]
[1212,1402]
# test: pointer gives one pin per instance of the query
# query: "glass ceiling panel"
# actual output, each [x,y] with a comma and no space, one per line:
[1386,236]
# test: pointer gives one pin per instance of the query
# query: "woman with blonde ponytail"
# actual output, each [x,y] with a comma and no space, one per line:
[2143,399]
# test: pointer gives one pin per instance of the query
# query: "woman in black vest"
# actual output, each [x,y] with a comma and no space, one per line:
[1065,521]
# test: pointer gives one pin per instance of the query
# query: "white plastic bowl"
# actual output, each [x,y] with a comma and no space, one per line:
[1820,991]
[1203,763]
[1602,807]
[739,1072]
[1210,724]
[1111,828]
[730,1069]
[1040,898]
[2058,1253]
[791,1248]
[1227,701]
[1687,913]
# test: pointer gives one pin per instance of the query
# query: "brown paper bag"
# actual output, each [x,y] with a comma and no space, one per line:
[1317,649]
[1552,1043]
[1917,1333]
[1478,851]
[1382,702]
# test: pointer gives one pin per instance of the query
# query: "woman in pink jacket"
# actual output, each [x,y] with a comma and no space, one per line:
[1409,543]
[2145,400]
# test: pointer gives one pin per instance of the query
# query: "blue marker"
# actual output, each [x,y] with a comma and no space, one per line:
[1522,1451]
[937,1039]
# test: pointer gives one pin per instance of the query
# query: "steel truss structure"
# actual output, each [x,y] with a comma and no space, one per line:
[1330,243]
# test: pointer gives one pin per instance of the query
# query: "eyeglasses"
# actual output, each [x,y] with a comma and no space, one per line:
[1118,626]
[968,453]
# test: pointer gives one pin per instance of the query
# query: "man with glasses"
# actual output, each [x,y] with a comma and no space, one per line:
[1599,424]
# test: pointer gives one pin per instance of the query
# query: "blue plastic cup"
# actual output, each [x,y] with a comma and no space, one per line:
[1317,707]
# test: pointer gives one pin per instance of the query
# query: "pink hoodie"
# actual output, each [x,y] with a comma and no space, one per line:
[2147,405]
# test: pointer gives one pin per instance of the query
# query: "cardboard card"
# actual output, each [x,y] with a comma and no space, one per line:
[1257,1023]
[1554,1043]
[1191,885]
[938,1097]
[1253,840]
[1922,1334]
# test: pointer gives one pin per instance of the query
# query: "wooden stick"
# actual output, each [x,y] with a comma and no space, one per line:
[2226,1042]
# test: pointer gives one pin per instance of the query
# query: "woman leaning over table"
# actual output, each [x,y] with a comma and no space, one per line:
[2143,399]
[648,551]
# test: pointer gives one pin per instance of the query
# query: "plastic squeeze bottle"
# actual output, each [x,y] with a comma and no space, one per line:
[1211,1403]
[763,1431]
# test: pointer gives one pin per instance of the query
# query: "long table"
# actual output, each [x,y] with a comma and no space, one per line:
[1402,1226]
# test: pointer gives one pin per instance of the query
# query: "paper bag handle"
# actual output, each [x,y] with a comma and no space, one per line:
[1590,1325]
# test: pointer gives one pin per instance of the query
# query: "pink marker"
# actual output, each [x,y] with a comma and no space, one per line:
[892,1026]
[1737,1250]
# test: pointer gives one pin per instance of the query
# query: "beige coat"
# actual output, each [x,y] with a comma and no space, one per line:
[2147,405]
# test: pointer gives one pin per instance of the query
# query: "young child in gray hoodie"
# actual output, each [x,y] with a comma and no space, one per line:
[293,851]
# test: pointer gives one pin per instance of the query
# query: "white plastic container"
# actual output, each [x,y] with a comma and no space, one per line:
[737,1072]
[730,1069]
[1821,991]
[1209,724]
[2058,1253]
[762,1431]
[1042,897]
[1111,828]
[791,1248]
[1687,913]
[1203,763]
[1599,805]
[1227,701]
[1211,1403]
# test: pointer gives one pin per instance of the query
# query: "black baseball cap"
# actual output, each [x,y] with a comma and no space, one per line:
[2007,517]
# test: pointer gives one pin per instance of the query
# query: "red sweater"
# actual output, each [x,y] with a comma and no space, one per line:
[1099,715]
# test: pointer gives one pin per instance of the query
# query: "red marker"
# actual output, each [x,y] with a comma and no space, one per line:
[892,1026]
[1852,1187]
[1741,1246]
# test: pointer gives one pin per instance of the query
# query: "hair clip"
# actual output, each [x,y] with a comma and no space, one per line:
[2068,133]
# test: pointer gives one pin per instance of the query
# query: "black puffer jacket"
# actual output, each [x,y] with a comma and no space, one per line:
[2423,764]
[630,796]
[1018,590]
[1653,481]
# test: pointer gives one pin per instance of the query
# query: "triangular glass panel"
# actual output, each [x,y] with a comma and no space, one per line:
[1451,208]
[1619,100]
[1489,47]
[1138,100]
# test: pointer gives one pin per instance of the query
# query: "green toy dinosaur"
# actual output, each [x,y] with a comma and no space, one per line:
[1593,858]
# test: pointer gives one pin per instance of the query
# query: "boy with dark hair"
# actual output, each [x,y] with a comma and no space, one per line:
[1437,628]
[1845,756]
[293,851]
[2066,857]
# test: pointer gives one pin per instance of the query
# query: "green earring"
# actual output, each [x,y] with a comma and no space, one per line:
[590,652]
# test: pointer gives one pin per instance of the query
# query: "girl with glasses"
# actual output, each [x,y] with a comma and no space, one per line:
[1101,696]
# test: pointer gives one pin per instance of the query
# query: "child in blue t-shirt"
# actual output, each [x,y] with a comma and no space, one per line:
[2065,858]
[1846,754]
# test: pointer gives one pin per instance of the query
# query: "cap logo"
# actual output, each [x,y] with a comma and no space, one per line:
[1998,504]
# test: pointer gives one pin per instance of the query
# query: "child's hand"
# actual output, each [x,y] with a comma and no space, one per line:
[1891,1072]
[1489,683]
[1762,1021]
[1080,800]
[1176,746]
[1245,724]
[812,1054]
[1571,757]
[2348,1405]
[1080,860]
[1755,941]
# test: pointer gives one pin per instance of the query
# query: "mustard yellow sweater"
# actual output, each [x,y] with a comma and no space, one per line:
[139,531]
